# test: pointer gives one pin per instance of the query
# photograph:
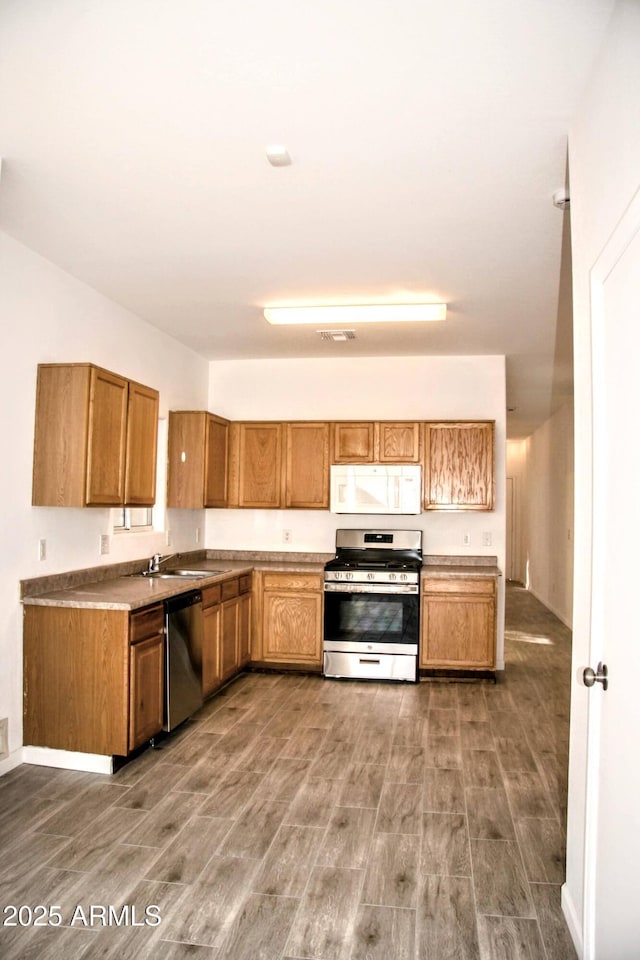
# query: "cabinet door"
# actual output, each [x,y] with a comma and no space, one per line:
[307,474]
[353,442]
[399,442]
[458,627]
[145,690]
[186,459]
[211,653]
[215,493]
[108,398]
[292,618]
[229,639]
[142,446]
[260,465]
[458,472]
[60,438]
[244,630]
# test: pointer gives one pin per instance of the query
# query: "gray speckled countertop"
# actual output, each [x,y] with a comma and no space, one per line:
[461,567]
[113,587]
[95,589]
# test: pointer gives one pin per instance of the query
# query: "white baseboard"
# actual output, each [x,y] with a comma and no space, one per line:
[557,613]
[11,762]
[67,760]
[571,916]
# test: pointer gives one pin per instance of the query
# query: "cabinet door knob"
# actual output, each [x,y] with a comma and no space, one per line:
[591,677]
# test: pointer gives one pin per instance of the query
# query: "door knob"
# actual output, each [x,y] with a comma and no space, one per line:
[601,675]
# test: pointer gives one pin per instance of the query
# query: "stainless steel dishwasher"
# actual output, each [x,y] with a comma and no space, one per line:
[182,657]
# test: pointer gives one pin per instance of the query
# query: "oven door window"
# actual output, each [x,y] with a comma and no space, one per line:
[371,618]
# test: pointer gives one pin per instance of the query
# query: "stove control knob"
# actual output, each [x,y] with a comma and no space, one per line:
[337,575]
[349,576]
[403,576]
[371,576]
[392,576]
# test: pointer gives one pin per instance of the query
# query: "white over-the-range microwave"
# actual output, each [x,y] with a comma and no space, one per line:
[376,488]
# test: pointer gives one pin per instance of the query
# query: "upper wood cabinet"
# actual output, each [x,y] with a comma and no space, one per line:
[255,465]
[354,442]
[383,441]
[142,446]
[307,465]
[198,459]
[458,465]
[95,438]
[398,442]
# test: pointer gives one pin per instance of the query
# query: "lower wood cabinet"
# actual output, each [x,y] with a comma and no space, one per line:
[458,628]
[291,621]
[145,689]
[226,615]
[93,678]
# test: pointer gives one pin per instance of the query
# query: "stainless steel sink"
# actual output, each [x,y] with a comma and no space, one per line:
[175,575]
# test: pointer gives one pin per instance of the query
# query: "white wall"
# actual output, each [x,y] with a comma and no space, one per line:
[367,388]
[604,162]
[47,316]
[542,467]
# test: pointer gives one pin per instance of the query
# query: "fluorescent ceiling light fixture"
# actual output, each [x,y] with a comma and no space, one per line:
[358,313]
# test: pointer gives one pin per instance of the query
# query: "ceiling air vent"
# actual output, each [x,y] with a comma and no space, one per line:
[336,334]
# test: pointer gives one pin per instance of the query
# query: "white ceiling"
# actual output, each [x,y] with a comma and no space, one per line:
[427,140]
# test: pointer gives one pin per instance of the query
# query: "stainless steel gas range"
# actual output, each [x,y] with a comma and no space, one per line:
[372,605]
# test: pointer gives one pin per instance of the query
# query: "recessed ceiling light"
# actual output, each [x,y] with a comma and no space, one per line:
[359,313]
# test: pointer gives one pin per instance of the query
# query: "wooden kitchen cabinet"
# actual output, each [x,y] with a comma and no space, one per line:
[307,465]
[226,612]
[146,677]
[383,441]
[398,442]
[353,442]
[459,465]
[292,618]
[255,465]
[197,459]
[210,655]
[92,678]
[458,626]
[95,441]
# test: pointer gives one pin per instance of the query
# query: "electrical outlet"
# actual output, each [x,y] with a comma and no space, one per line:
[486,538]
[167,538]
[4,738]
[466,539]
[105,544]
[286,536]
[42,549]
[197,534]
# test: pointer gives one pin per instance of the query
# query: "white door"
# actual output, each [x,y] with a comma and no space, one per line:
[612,912]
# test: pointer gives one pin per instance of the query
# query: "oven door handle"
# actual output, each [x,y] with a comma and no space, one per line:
[368,660]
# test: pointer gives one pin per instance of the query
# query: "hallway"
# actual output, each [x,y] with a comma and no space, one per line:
[302,819]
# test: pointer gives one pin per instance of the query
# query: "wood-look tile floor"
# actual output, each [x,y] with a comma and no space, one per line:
[296,818]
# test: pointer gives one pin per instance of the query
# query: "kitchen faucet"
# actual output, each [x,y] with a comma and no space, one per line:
[156,560]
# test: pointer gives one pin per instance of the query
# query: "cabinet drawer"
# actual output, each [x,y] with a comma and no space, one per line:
[477,585]
[211,595]
[146,623]
[293,581]
[230,589]
[245,583]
